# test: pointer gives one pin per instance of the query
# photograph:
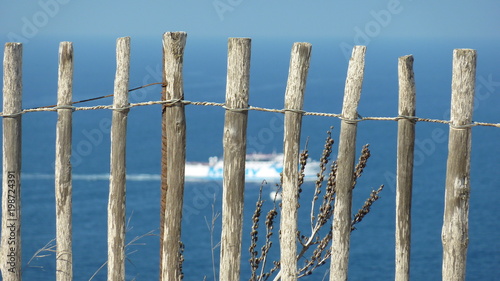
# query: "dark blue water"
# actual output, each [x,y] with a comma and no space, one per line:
[372,244]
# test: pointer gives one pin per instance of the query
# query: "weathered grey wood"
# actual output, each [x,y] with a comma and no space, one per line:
[404,176]
[455,233]
[174,155]
[117,182]
[11,190]
[63,183]
[235,126]
[294,100]
[347,151]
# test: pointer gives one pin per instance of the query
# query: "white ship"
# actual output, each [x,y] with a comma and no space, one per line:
[258,167]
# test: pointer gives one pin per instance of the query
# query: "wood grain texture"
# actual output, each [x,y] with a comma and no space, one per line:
[294,100]
[174,155]
[117,182]
[234,142]
[455,232]
[11,189]
[63,183]
[404,176]
[341,232]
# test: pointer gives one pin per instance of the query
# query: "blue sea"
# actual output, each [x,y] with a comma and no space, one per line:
[372,243]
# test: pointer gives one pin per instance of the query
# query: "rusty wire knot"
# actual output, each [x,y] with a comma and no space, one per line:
[462,127]
[351,121]
[236,109]
[412,119]
[124,109]
[299,111]
[73,108]
[12,115]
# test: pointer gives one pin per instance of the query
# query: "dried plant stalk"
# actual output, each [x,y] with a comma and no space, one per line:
[317,244]
[366,207]
[254,260]
[365,154]
[257,260]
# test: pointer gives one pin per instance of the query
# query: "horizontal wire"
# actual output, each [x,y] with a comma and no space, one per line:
[173,102]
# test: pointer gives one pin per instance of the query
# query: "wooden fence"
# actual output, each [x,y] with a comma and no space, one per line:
[455,225]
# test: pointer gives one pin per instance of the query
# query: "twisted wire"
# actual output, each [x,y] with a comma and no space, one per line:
[173,102]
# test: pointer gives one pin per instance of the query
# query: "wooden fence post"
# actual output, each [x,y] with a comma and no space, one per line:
[11,189]
[117,181]
[406,144]
[294,100]
[63,184]
[235,126]
[455,233]
[347,151]
[174,156]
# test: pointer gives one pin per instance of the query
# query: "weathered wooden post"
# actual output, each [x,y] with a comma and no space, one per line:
[63,183]
[235,126]
[174,156]
[117,181]
[11,179]
[294,100]
[347,151]
[404,177]
[455,233]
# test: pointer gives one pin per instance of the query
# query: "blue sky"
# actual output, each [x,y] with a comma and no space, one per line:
[68,19]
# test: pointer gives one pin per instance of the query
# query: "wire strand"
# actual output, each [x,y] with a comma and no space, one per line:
[173,102]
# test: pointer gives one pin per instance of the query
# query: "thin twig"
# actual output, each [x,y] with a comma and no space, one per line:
[211,227]
[49,247]
[97,271]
